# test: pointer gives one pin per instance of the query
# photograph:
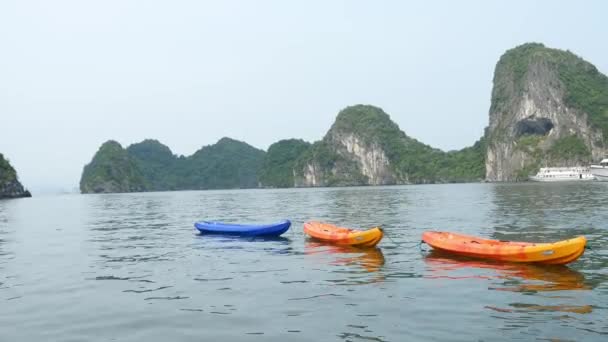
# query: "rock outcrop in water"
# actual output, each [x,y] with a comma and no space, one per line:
[549,108]
[151,166]
[10,187]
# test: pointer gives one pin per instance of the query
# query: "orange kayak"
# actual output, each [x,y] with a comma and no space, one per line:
[343,236]
[561,252]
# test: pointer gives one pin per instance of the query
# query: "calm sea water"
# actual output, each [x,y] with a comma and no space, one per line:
[129,267]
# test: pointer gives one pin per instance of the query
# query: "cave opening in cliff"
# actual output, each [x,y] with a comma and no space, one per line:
[540,126]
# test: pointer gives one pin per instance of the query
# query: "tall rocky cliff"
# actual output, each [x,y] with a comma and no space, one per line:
[549,108]
[365,147]
[10,187]
[351,153]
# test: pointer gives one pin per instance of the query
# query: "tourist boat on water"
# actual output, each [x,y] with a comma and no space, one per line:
[600,171]
[557,174]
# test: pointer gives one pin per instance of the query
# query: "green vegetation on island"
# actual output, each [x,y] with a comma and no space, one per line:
[112,170]
[410,161]
[279,161]
[228,164]
[7,172]
[155,162]
[151,166]
[569,148]
[10,187]
[586,90]
[466,165]
[332,168]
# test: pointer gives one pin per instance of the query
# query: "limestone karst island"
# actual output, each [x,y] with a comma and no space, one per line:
[549,108]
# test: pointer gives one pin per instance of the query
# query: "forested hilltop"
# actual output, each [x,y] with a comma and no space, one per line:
[151,166]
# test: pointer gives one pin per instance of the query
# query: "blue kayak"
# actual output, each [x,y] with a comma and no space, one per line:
[273,229]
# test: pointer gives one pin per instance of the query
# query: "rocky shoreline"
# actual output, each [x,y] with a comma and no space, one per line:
[13,189]
[9,183]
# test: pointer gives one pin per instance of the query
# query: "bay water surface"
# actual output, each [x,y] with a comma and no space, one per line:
[130,267]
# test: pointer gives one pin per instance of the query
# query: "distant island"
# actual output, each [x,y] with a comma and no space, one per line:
[151,166]
[10,187]
[549,108]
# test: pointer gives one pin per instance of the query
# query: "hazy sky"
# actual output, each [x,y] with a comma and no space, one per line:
[74,74]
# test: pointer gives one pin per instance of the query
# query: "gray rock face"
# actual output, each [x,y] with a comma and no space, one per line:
[312,176]
[370,158]
[9,183]
[111,186]
[533,104]
[365,147]
[13,189]
[349,154]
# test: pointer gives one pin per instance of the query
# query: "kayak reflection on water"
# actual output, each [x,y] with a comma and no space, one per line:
[367,259]
[513,277]
[521,277]
[523,308]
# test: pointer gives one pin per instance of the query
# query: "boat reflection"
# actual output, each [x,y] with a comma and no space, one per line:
[518,277]
[368,259]
[272,245]
[223,238]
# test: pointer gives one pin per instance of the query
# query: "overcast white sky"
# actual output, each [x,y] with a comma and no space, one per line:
[74,74]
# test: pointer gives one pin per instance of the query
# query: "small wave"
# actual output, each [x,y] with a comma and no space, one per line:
[212,279]
[264,271]
[148,290]
[317,296]
[294,282]
[349,336]
[167,298]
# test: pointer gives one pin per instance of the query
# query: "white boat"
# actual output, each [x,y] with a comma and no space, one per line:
[560,174]
[600,171]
